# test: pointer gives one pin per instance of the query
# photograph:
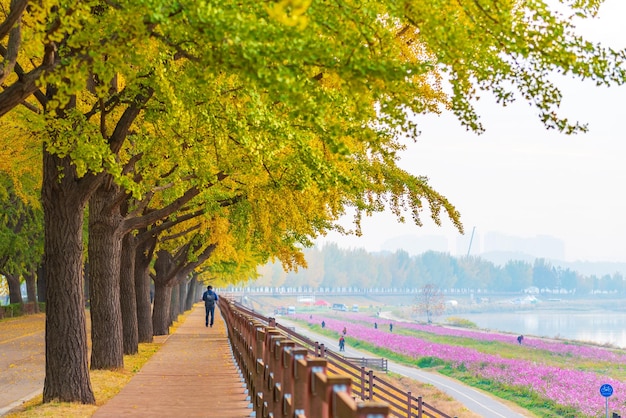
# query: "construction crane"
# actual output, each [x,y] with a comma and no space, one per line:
[471,239]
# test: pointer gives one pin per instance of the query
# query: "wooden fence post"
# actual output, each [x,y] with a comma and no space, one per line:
[301,400]
[284,383]
[419,407]
[409,403]
[316,370]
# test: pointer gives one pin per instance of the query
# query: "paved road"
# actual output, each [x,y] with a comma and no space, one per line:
[21,360]
[476,401]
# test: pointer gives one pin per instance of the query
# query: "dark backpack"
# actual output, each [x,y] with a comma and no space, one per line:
[209,299]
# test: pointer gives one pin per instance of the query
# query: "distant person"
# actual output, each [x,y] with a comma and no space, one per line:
[323,324]
[209,297]
[390,327]
[520,339]
[345,331]
[375,325]
[342,344]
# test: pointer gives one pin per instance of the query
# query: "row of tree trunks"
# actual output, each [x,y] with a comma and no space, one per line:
[15,288]
[162,293]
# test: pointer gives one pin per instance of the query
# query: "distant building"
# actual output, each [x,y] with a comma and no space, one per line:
[541,246]
[414,244]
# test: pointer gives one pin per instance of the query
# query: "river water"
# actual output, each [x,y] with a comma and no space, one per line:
[597,326]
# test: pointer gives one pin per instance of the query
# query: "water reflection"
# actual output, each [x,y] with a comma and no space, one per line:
[601,327]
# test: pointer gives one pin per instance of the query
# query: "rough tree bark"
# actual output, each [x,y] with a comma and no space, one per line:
[182,295]
[64,197]
[31,287]
[105,249]
[143,257]
[128,299]
[41,284]
[191,293]
[161,312]
[175,303]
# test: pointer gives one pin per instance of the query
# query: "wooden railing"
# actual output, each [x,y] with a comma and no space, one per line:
[380,364]
[284,380]
[254,336]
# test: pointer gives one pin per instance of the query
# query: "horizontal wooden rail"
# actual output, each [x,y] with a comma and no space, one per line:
[369,363]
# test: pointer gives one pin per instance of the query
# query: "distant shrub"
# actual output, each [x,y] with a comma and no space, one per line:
[460,322]
[424,362]
[18,309]
[12,309]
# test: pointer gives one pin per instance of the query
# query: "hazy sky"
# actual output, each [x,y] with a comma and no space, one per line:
[520,179]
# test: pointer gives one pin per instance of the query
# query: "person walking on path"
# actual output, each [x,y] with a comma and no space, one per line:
[209,297]
[342,344]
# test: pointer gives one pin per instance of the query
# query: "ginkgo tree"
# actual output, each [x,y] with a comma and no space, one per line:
[316,96]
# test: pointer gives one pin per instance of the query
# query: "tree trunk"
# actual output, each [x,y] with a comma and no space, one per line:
[163,283]
[31,287]
[182,295]
[191,293]
[41,284]
[64,200]
[161,312]
[199,290]
[86,286]
[143,257]
[175,303]
[128,298]
[15,292]
[105,249]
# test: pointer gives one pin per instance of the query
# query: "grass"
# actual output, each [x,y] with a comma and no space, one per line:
[105,384]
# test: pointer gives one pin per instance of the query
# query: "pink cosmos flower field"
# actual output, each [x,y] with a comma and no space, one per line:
[567,387]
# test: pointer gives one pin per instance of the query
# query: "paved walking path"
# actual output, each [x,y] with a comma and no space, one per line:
[192,375]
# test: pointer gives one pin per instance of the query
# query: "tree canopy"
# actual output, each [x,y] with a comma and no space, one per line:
[272,119]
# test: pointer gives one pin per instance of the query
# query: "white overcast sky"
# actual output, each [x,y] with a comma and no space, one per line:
[521,180]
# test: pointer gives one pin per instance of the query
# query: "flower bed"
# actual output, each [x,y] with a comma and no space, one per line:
[570,388]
